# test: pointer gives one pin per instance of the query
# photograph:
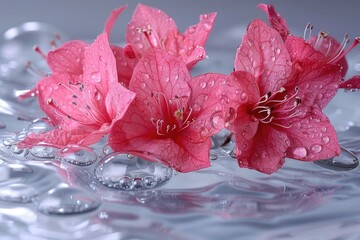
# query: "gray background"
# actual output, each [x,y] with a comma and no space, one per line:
[84,19]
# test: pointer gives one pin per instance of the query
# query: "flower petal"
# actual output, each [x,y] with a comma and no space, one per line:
[263,54]
[100,65]
[243,94]
[118,100]
[317,82]
[158,72]
[194,57]
[275,20]
[68,58]
[312,137]
[352,83]
[198,34]
[124,64]
[184,157]
[112,19]
[57,138]
[206,103]
[143,17]
[265,152]
[300,50]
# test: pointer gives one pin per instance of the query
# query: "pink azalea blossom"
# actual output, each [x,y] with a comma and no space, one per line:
[285,93]
[150,27]
[173,116]
[322,47]
[82,96]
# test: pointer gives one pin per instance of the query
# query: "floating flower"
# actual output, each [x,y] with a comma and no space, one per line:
[82,96]
[150,27]
[285,96]
[321,47]
[173,116]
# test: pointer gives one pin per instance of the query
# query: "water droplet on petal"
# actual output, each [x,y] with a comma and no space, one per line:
[203,84]
[118,171]
[344,162]
[96,77]
[326,139]
[207,27]
[300,152]
[243,96]
[316,148]
[196,107]
[65,200]
[143,85]
[78,155]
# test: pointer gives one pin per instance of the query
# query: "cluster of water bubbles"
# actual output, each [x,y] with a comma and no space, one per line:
[109,195]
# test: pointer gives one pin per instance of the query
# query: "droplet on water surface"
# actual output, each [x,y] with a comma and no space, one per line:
[78,155]
[64,200]
[344,162]
[126,172]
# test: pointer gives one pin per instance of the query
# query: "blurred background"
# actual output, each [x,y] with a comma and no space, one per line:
[84,19]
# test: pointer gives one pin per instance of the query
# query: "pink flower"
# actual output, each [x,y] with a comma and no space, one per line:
[284,94]
[322,47]
[173,116]
[82,96]
[150,27]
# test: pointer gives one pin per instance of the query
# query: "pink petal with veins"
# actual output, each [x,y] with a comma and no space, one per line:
[112,19]
[263,54]
[352,83]
[275,20]
[68,58]
[125,64]
[265,152]
[312,137]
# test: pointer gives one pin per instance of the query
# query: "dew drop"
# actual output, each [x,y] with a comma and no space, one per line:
[273,59]
[196,107]
[316,148]
[344,162]
[191,30]
[203,84]
[167,79]
[143,85]
[207,27]
[300,152]
[121,172]
[78,155]
[243,96]
[64,200]
[140,45]
[325,139]
[216,121]
[95,76]
[213,156]
[97,96]
[204,132]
